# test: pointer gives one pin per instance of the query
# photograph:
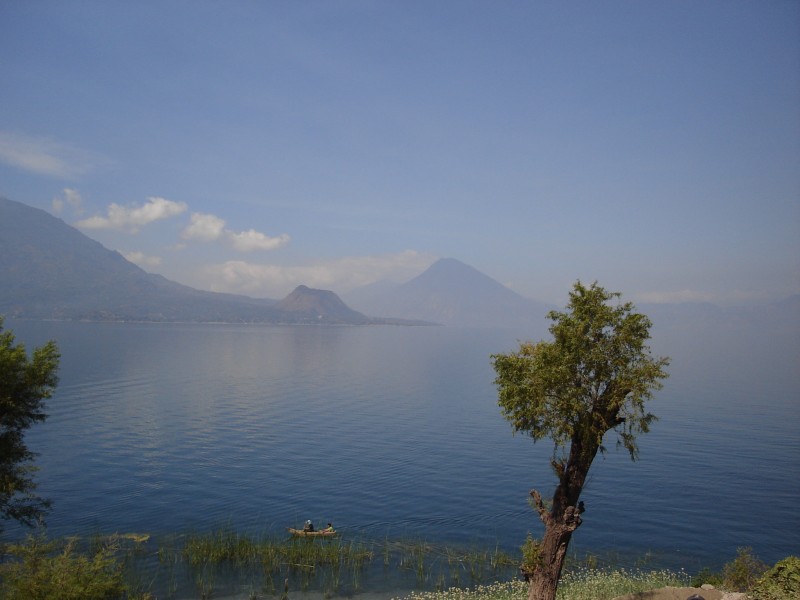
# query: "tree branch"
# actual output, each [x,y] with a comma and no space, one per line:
[544,514]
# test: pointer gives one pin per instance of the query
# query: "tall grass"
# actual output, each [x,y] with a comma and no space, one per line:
[224,554]
[207,564]
[227,546]
[332,564]
[437,566]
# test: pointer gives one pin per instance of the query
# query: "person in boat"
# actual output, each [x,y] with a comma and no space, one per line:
[329,529]
[308,527]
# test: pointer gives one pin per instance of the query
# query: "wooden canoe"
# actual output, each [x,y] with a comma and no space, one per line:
[301,533]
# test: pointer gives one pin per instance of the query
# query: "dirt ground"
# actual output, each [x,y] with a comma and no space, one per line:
[673,593]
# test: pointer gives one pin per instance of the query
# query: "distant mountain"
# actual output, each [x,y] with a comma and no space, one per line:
[310,305]
[49,270]
[453,293]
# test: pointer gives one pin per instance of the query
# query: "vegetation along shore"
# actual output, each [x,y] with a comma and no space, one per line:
[227,564]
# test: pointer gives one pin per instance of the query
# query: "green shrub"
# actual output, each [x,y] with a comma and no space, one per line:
[708,576]
[42,570]
[741,573]
[531,554]
[781,582]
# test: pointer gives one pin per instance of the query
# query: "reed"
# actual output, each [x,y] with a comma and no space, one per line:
[207,562]
[204,582]
[330,563]
[210,561]
[131,565]
[223,545]
[227,546]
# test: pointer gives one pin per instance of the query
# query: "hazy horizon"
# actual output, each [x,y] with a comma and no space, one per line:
[253,147]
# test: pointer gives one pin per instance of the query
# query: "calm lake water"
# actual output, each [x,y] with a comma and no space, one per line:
[394,432]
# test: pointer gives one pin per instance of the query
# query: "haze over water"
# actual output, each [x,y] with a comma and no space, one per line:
[394,432]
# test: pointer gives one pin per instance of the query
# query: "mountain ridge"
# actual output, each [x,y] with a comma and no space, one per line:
[452,293]
[50,270]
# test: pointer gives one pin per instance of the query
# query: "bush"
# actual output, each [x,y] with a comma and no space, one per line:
[741,574]
[781,582]
[43,569]
[531,555]
[708,576]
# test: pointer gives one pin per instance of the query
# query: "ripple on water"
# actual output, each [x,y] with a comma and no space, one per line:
[394,431]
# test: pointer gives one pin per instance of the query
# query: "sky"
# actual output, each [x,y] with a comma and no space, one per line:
[250,147]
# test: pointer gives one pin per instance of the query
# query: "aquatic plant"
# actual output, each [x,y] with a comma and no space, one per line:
[207,564]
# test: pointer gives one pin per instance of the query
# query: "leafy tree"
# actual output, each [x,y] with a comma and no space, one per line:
[24,385]
[594,376]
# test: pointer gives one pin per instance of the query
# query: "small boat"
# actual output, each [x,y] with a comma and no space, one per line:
[320,533]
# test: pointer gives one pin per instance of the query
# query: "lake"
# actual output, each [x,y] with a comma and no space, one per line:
[395,433]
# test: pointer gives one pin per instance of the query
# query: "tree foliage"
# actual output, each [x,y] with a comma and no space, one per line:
[24,385]
[593,377]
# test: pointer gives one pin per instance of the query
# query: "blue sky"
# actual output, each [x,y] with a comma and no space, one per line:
[253,146]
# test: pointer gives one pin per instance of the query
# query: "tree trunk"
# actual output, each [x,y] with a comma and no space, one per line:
[545,578]
[559,525]
[563,518]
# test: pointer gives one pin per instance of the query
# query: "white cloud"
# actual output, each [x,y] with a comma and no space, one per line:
[45,156]
[70,197]
[340,275]
[139,258]
[203,227]
[131,218]
[241,277]
[208,228]
[251,240]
